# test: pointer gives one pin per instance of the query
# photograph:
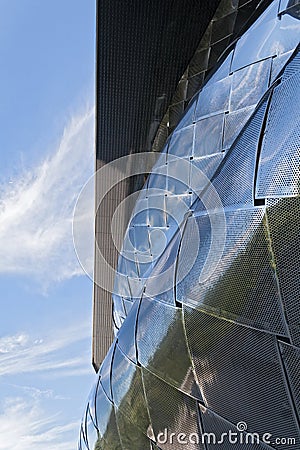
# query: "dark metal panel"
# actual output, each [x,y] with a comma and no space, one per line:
[102,301]
[221,434]
[143,48]
[128,392]
[131,437]
[291,360]
[109,435]
[284,218]
[171,412]
[240,375]
[162,345]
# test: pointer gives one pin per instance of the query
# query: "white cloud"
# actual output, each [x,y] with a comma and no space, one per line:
[26,422]
[39,393]
[9,344]
[25,425]
[55,355]
[36,210]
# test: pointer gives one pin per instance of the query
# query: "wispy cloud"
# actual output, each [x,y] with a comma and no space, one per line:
[36,210]
[9,344]
[25,425]
[55,355]
[36,393]
[35,418]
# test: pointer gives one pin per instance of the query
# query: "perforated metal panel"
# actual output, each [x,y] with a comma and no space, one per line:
[106,421]
[105,370]
[291,360]
[161,281]
[234,123]
[171,411]
[243,285]
[238,366]
[130,436]
[208,135]
[283,218]
[237,168]
[220,433]
[155,447]
[197,355]
[278,170]
[126,334]
[224,105]
[162,345]
[128,392]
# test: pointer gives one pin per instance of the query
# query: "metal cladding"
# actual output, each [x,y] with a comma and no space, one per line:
[206,352]
[143,47]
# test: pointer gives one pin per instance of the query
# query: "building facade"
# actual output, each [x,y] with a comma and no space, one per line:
[196,327]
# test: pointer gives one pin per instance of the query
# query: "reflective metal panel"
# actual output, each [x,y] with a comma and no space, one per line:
[213,99]
[278,170]
[109,435]
[131,437]
[223,434]
[208,136]
[243,285]
[105,379]
[232,360]
[291,361]
[273,36]
[249,84]
[128,391]
[199,354]
[238,165]
[126,334]
[162,346]
[284,218]
[171,411]
[181,143]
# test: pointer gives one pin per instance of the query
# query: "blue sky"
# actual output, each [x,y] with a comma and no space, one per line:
[47,52]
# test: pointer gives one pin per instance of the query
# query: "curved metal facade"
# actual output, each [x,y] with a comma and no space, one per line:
[206,298]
